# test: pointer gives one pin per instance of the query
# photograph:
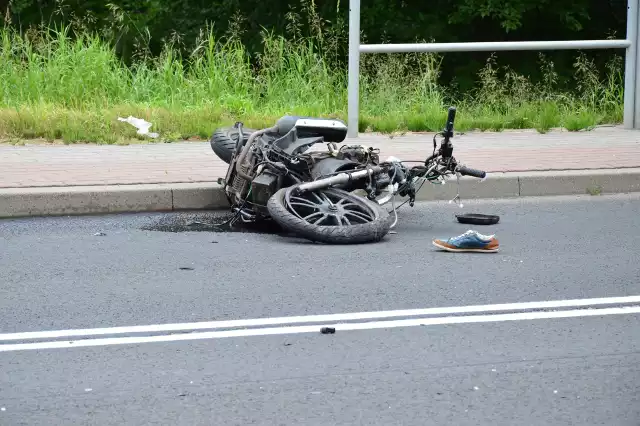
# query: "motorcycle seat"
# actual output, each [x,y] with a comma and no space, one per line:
[332,130]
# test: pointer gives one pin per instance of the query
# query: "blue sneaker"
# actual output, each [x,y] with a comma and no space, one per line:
[470,241]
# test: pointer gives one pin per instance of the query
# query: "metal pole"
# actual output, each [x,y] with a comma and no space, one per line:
[630,66]
[353,90]
[495,46]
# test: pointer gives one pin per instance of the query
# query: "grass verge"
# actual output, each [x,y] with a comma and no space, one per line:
[57,86]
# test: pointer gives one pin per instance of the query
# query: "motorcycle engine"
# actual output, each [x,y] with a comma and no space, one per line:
[263,187]
[257,192]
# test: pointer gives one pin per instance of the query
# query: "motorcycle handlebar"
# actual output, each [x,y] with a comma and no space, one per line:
[466,171]
[451,118]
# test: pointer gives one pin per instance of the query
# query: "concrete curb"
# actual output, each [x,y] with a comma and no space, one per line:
[56,201]
[537,184]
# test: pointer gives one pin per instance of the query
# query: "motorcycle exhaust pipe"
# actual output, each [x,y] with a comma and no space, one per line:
[343,177]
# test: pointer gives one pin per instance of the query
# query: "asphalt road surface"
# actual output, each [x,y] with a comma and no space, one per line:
[561,348]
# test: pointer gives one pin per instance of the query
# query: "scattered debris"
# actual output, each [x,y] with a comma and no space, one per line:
[475,388]
[99,234]
[288,344]
[555,391]
[186,268]
[214,242]
[494,370]
[88,390]
[327,330]
[3,409]
[478,219]
[142,125]
[195,222]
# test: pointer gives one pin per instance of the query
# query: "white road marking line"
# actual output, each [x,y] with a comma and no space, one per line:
[521,316]
[210,325]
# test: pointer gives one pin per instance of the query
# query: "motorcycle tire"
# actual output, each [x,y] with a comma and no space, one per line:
[368,232]
[223,141]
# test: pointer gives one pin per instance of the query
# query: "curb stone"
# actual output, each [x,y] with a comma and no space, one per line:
[81,200]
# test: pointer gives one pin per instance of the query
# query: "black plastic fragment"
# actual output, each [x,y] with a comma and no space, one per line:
[478,219]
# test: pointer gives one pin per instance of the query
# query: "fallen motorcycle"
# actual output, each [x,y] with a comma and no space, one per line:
[273,174]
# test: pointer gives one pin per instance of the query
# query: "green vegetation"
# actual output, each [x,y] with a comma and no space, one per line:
[594,190]
[71,85]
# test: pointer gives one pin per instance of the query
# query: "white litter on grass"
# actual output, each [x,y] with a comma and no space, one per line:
[475,388]
[142,125]
[3,409]
[555,391]
[88,390]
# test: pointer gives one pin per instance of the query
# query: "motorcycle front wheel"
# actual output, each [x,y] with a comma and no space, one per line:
[329,215]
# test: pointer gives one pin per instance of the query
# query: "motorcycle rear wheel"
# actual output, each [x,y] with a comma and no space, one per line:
[330,216]
[223,141]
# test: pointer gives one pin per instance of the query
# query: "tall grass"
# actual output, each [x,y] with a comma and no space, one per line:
[71,86]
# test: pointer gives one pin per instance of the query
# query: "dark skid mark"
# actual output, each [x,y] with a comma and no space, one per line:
[209,222]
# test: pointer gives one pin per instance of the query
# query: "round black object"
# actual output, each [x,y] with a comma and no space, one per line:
[478,219]
[223,142]
[329,215]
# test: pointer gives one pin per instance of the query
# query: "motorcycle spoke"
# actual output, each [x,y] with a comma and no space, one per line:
[302,202]
[312,215]
[358,215]
[318,216]
[348,204]
[320,200]
[321,220]
[345,202]
[345,220]
[325,198]
[303,205]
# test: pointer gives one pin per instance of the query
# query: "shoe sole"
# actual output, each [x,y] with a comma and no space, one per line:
[455,250]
